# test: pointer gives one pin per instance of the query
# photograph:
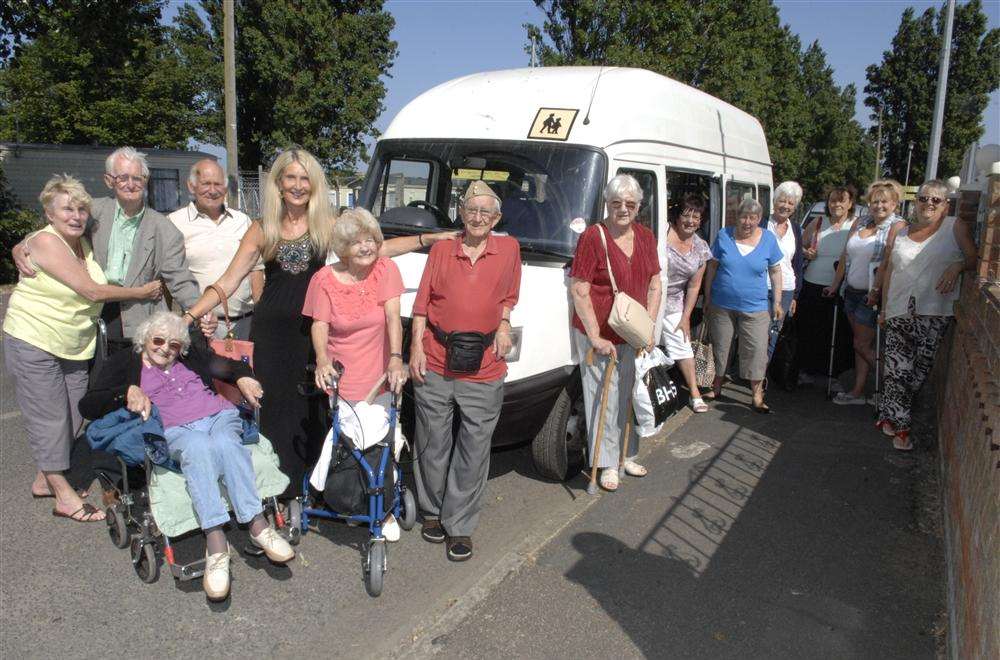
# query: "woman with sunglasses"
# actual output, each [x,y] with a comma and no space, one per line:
[173,369]
[922,264]
[49,335]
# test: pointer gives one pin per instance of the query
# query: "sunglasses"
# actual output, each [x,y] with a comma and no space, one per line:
[927,199]
[173,344]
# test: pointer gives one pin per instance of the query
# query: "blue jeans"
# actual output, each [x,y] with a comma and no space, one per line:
[775,329]
[211,448]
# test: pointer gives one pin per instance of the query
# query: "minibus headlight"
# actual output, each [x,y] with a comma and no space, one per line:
[516,335]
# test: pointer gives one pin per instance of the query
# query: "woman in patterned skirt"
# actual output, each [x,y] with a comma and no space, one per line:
[293,237]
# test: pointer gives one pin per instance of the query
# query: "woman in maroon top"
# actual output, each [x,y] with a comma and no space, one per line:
[632,253]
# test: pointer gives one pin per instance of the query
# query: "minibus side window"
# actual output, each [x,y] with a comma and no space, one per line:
[647,210]
[404,181]
[681,184]
[736,192]
[764,197]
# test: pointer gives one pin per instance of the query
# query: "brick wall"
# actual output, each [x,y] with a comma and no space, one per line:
[968,386]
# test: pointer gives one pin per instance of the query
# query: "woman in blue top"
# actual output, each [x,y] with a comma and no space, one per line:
[743,258]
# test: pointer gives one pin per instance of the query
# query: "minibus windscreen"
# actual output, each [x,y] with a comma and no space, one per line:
[549,193]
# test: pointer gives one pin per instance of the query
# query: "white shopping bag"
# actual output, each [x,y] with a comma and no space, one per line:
[654,399]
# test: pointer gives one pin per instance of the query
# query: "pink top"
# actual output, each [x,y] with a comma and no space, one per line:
[180,394]
[356,314]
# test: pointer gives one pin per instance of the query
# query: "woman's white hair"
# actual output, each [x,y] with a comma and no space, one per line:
[622,186]
[749,206]
[934,184]
[352,225]
[129,154]
[168,325]
[790,190]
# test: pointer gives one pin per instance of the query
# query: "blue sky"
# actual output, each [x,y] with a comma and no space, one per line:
[443,39]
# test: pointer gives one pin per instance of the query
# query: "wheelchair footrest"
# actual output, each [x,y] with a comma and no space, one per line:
[185,572]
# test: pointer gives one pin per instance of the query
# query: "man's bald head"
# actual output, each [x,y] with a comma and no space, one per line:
[207,184]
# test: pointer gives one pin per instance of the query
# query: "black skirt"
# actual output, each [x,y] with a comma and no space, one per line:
[814,324]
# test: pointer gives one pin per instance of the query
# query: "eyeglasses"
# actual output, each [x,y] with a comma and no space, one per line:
[122,179]
[927,199]
[617,204]
[172,344]
[364,241]
[692,215]
[479,213]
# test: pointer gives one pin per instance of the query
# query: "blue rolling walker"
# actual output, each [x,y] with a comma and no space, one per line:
[399,501]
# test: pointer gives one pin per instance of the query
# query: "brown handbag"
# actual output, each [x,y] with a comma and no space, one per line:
[232,348]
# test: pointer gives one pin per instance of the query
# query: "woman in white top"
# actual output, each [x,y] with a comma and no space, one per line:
[859,266]
[923,262]
[787,196]
[823,242]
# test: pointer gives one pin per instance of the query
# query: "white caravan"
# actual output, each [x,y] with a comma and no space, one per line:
[547,140]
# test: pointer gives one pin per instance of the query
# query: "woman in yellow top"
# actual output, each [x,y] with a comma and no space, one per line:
[49,334]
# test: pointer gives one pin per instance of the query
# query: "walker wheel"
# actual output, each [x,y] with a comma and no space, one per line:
[409,514]
[144,561]
[375,568]
[117,529]
[294,522]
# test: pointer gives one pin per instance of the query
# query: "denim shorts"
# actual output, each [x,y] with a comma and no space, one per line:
[856,309]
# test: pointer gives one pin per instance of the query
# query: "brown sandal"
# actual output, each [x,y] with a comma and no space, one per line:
[84,514]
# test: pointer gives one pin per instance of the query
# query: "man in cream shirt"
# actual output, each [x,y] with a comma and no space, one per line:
[212,232]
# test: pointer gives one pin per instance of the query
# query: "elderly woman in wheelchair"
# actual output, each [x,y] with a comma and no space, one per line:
[170,375]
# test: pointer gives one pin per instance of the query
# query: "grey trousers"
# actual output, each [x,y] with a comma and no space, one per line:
[619,401]
[753,329]
[451,470]
[48,390]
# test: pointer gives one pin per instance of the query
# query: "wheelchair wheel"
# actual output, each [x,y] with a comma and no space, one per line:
[144,561]
[294,522]
[117,529]
[375,568]
[409,517]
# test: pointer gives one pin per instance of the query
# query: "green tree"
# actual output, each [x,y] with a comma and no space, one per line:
[738,52]
[308,73]
[838,150]
[89,71]
[903,84]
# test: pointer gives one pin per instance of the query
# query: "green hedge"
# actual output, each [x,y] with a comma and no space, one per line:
[14,225]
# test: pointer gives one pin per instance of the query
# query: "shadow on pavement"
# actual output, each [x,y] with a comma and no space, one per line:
[798,538]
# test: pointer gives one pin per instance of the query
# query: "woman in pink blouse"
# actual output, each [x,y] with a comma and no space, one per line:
[354,305]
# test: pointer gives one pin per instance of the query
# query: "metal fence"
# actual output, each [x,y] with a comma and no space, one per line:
[250,193]
[344,192]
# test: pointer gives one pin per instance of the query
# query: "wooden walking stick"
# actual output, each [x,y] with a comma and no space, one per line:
[605,386]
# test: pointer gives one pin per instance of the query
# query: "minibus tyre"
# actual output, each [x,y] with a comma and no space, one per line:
[555,453]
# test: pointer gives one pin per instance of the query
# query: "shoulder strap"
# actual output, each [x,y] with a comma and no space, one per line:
[607,258]
[225,304]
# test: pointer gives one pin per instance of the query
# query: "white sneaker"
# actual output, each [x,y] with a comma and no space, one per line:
[836,387]
[390,529]
[845,399]
[216,578]
[276,548]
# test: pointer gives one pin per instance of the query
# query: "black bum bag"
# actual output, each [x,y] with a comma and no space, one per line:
[463,351]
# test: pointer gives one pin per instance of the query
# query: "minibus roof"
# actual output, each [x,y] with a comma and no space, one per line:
[623,105]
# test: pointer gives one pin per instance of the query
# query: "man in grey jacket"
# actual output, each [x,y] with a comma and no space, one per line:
[134,244]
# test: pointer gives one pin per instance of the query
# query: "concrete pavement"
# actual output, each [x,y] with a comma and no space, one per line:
[795,535]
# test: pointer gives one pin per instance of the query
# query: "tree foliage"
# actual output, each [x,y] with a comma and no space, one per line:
[905,81]
[738,52]
[308,73]
[15,223]
[94,71]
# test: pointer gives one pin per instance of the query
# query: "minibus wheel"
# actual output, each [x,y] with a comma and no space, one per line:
[558,449]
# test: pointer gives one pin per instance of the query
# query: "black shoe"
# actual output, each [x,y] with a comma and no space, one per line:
[432,531]
[459,548]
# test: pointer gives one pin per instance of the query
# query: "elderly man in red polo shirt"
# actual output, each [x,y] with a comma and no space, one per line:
[461,333]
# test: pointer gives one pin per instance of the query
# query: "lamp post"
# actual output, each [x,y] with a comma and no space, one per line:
[909,157]
[878,146]
[934,148]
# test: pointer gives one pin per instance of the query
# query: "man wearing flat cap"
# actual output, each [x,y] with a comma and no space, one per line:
[461,334]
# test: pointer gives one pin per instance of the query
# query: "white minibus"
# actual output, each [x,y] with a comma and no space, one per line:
[547,140]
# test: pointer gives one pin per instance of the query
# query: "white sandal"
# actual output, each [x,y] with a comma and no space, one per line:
[633,469]
[609,479]
[698,405]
